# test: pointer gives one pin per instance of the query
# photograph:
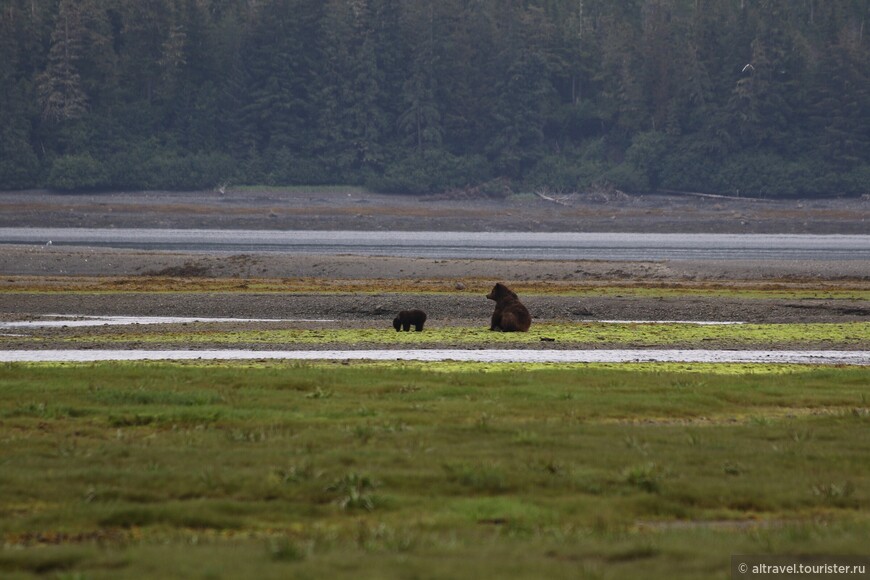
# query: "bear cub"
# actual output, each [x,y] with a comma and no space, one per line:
[510,315]
[408,317]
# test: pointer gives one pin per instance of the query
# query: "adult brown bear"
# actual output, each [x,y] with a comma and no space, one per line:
[510,315]
[408,317]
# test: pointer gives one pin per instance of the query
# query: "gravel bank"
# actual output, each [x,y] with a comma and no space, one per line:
[444,309]
[71,261]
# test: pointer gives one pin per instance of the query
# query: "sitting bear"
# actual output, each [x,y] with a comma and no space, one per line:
[510,315]
[408,317]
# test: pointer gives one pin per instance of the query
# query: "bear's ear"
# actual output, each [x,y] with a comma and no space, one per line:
[501,290]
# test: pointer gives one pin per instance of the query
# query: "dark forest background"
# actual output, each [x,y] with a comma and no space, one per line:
[427,95]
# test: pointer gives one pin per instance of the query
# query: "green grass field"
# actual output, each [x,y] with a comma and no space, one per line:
[426,470]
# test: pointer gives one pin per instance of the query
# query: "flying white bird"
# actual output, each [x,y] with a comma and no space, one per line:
[749,67]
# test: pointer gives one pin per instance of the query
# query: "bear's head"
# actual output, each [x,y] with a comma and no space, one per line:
[500,292]
[397,324]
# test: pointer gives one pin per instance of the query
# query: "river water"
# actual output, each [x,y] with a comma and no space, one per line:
[483,355]
[507,245]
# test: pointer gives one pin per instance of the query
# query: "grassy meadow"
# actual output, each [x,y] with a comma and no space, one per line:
[317,470]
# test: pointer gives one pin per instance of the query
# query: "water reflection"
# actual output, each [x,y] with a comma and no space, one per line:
[75,320]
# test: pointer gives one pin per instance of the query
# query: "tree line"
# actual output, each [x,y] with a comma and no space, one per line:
[741,97]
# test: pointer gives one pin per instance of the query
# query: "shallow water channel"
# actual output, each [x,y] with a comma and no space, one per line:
[423,244]
[77,320]
[81,320]
[432,355]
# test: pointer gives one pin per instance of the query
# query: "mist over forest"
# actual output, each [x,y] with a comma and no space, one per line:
[741,97]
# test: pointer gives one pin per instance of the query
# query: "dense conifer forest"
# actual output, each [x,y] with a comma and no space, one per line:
[740,97]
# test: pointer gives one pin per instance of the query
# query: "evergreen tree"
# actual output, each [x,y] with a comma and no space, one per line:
[467,84]
[352,120]
[278,109]
[839,116]
[524,90]
[18,162]
[420,118]
[61,94]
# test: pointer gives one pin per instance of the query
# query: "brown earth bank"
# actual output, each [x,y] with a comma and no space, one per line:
[459,308]
[356,209]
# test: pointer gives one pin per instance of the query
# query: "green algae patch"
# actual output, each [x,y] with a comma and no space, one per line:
[591,333]
[800,290]
[452,366]
[651,367]
[698,334]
